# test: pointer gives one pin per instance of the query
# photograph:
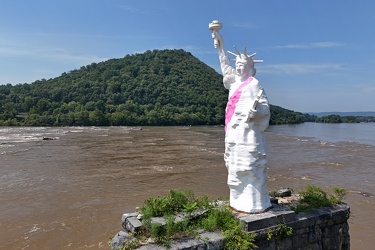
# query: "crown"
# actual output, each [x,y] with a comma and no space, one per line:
[244,56]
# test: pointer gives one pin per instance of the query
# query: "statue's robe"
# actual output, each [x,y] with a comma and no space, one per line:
[245,152]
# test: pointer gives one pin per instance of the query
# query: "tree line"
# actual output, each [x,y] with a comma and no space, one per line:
[345,119]
[159,87]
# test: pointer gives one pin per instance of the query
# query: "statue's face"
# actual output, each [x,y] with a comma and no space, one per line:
[242,67]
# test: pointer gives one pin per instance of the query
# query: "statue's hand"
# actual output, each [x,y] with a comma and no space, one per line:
[217,38]
[253,113]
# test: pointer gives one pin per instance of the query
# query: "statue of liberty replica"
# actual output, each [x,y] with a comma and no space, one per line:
[247,116]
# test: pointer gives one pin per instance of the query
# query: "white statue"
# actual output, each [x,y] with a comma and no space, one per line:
[247,116]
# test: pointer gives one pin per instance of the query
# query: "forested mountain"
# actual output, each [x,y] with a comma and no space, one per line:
[160,87]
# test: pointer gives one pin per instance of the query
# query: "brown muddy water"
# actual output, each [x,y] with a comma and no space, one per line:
[70,192]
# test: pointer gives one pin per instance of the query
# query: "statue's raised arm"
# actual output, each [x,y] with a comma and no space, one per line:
[228,71]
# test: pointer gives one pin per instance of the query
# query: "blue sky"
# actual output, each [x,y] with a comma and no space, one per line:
[318,55]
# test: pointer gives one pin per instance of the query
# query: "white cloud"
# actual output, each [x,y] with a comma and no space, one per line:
[26,63]
[130,9]
[368,88]
[50,54]
[277,69]
[243,25]
[134,10]
[311,45]
[89,36]
[61,55]
[14,51]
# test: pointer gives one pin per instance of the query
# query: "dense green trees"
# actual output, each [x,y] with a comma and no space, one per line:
[345,119]
[284,116]
[330,119]
[160,87]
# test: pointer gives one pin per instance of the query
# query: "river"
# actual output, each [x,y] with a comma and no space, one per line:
[70,192]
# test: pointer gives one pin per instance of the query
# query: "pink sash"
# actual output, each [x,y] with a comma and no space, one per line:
[233,100]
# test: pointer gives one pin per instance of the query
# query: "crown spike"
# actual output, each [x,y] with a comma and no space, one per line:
[252,55]
[239,53]
[244,51]
[232,53]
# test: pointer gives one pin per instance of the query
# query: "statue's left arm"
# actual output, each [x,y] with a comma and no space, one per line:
[261,113]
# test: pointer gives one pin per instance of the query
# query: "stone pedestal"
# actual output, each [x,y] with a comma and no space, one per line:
[324,228]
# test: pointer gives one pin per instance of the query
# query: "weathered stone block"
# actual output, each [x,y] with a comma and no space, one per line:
[132,224]
[127,215]
[315,246]
[254,222]
[119,239]
[151,247]
[300,241]
[274,200]
[213,240]
[159,220]
[188,244]
[303,220]
[266,245]
[277,214]
[340,213]
[331,243]
[283,192]
[315,236]
[282,213]
[285,244]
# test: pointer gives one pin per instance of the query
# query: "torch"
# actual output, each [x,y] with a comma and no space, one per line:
[215,26]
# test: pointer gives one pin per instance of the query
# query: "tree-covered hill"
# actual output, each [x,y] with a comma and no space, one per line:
[284,116]
[345,119]
[160,87]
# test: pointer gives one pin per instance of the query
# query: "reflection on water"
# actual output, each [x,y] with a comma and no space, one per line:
[69,192]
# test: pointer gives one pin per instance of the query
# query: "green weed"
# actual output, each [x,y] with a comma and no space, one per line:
[236,238]
[283,231]
[314,197]
[338,196]
[212,218]
[130,244]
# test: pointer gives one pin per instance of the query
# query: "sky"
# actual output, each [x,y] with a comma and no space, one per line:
[319,56]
